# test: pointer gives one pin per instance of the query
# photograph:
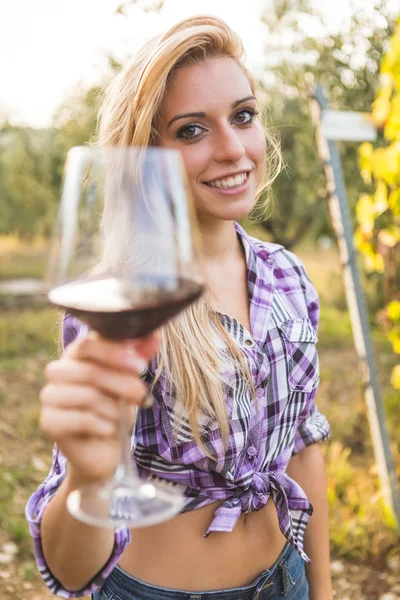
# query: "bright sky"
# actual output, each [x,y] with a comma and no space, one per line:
[48,46]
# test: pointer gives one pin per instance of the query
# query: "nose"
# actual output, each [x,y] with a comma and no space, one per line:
[228,146]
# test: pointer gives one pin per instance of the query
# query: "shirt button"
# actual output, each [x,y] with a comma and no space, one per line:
[251,451]
[249,342]
[260,393]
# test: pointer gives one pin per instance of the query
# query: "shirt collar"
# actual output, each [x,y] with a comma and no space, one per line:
[260,282]
[263,250]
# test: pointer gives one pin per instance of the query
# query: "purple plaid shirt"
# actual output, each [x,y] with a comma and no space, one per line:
[282,357]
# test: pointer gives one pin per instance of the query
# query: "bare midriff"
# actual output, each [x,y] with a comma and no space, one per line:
[176,554]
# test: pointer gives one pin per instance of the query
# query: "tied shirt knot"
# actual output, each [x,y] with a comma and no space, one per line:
[289,498]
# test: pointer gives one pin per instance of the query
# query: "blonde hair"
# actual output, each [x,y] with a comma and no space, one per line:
[128,117]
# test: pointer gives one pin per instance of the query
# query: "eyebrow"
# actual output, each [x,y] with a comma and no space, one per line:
[201,115]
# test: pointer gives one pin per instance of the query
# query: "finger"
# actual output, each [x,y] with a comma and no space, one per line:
[80,397]
[117,384]
[59,423]
[111,354]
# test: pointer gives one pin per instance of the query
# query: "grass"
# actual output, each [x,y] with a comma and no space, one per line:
[26,334]
[21,265]
[27,342]
[334,328]
[22,260]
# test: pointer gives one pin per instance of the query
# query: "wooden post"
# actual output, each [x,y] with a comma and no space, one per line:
[341,220]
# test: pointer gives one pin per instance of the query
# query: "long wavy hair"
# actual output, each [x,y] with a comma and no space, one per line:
[188,355]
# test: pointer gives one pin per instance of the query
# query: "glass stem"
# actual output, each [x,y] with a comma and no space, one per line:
[126,467]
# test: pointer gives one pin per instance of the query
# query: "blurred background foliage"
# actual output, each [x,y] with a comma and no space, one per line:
[31,166]
[377,235]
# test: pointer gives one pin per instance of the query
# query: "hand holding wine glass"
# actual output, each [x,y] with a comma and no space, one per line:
[125,260]
[79,404]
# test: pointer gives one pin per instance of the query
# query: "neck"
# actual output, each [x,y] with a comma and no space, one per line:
[220,241]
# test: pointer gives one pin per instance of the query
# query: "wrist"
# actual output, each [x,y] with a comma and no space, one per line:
[75,479]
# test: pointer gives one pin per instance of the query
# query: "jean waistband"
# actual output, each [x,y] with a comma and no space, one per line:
[124,586]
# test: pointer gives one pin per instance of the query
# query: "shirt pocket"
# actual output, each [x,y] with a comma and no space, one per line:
[300,340]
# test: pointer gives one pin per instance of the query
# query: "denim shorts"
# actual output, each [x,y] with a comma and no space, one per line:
[285,579]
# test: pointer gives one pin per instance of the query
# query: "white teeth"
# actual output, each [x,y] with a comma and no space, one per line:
[230,182]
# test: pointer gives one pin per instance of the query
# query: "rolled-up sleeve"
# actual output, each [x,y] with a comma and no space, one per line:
[312,429]
[39,500]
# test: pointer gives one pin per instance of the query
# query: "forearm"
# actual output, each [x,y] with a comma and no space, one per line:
[74,552]
[308,469]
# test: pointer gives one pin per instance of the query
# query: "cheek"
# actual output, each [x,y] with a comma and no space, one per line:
[195,160]
[259,145]
[257,149]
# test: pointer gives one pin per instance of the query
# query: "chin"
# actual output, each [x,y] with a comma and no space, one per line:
[233,211]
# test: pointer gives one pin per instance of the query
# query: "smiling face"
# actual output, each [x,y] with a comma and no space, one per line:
[209,113]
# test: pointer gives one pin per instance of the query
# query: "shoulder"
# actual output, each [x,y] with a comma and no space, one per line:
[284,261]
[290,278]
[287,264]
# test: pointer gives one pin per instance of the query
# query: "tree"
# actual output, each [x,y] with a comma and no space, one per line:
[26,174]
[347,65]
[32,163]
[378,212]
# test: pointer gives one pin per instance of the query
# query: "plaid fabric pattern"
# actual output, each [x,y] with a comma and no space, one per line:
[283,360]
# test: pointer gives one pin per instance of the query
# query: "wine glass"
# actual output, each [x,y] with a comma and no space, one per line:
[124,260]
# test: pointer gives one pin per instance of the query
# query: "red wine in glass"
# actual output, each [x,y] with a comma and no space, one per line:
[119,309]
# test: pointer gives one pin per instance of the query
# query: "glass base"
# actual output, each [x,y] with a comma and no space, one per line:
[125,503]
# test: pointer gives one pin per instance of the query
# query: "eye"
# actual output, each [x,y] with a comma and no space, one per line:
[189,132]
[245,116]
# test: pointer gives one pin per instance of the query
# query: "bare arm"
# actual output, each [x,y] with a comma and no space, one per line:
[80,412]
[74,552]
[308,469]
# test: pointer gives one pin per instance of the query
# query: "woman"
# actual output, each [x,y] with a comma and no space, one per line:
[254,469]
